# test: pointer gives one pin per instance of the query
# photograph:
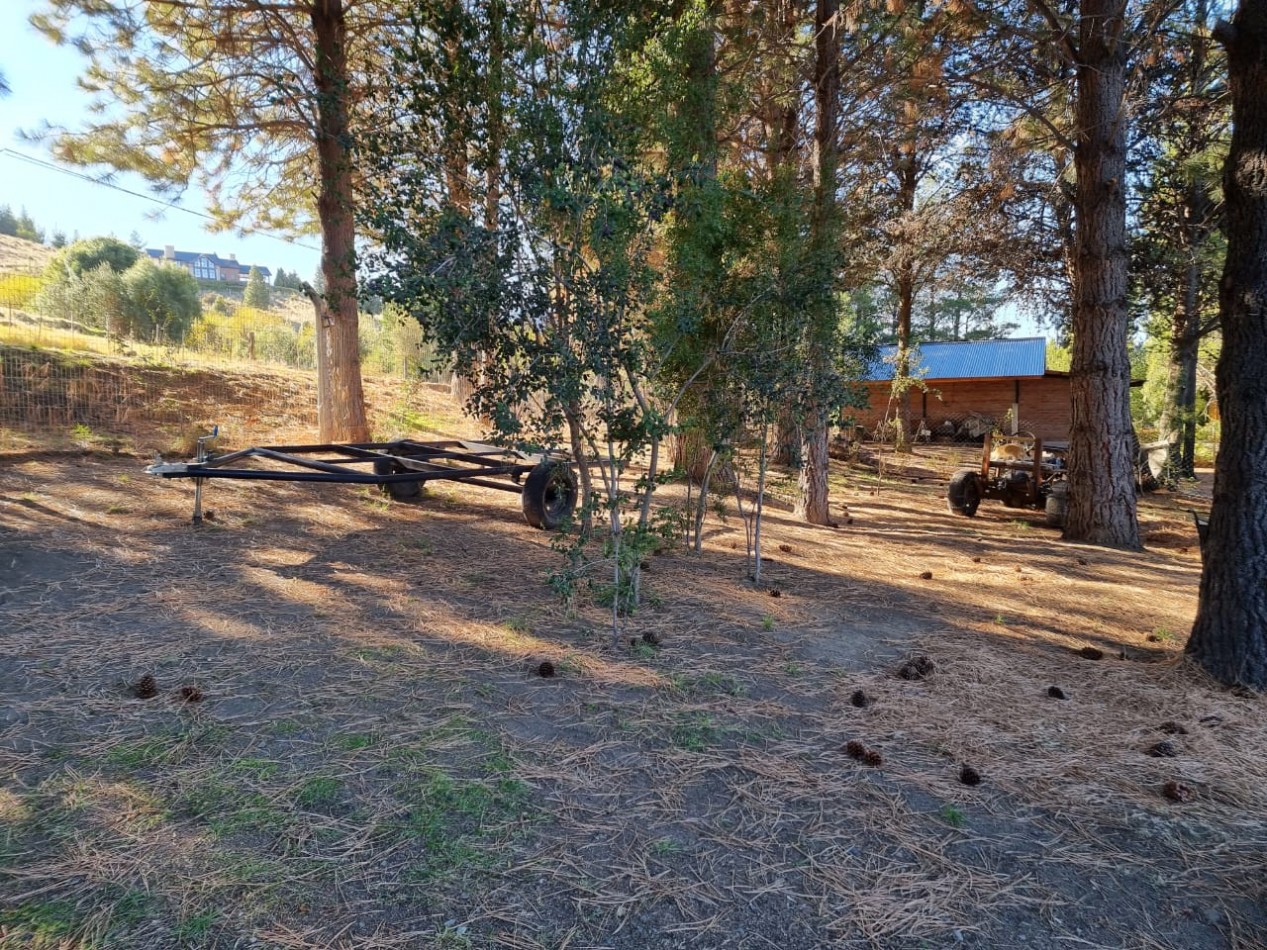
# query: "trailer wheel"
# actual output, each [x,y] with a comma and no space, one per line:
[1057,504]
[964,493]
[398,491]
[549,495]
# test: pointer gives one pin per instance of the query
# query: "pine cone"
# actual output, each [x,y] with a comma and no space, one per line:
[145,688]
[916,668]
[1178,792]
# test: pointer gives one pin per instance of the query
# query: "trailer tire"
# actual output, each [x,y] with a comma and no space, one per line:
[1057,505]
[397,491]
[964,493]
[549,495]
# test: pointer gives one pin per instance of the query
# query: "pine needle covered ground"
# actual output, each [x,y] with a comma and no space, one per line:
[350,743]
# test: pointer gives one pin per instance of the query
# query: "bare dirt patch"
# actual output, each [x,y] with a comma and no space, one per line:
[375,760]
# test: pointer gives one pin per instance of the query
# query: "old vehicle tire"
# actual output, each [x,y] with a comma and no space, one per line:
[398,491]
[964,493]
[1016,490]
[1057,505]
[549,495]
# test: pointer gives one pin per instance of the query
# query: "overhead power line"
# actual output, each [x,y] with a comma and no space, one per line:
[102,183]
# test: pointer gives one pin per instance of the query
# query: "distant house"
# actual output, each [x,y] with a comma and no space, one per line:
[208,266]
[973,387]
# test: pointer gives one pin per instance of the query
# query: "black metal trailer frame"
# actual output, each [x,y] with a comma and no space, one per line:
[400,468]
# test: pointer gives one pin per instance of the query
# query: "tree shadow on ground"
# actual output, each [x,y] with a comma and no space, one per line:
[697,786]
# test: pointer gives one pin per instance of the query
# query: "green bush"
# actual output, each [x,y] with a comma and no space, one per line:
[84,256]
[162,301]
[105,302]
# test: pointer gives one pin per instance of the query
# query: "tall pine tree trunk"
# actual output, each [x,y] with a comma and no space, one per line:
[495,90]
[1178,421]
[812,498]
[1101,463]
[694,145]
[904,278]
[1229,638]
[344,417]
[1198,217]
[782,138]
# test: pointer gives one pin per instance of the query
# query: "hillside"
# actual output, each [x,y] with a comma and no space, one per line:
[23,256]
[26,257]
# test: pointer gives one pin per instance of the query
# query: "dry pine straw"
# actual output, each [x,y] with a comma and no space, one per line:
[788,802]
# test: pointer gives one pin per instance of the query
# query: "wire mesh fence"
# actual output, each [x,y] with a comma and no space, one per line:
[79,359]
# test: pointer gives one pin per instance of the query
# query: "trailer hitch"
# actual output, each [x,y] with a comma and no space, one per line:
[202,457]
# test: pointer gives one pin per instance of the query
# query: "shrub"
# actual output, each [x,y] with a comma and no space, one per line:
[219,304]
[251,333]
[17,291]
[162,301]
[84,256]
[104,300]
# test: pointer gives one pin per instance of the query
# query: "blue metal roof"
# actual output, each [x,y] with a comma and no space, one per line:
[973,359]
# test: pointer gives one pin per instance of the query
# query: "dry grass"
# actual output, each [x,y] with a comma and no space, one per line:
[377,765]
[24,257]
[162,405]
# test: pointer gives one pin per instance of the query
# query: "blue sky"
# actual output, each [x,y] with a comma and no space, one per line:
[42,79]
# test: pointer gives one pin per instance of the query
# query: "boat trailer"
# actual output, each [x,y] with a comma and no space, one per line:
[545,482]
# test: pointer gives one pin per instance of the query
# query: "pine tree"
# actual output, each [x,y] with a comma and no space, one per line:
[27,230]
[256,294]
[187,84]
[1229,638]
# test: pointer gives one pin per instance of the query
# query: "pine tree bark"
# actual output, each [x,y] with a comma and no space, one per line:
[344,419]
[1197,220]
[812,500]
[786,449]
[1178,422]
[904,283]
[812,497]
[457,187]
[782,127]
[1101,465]
[1229,637]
